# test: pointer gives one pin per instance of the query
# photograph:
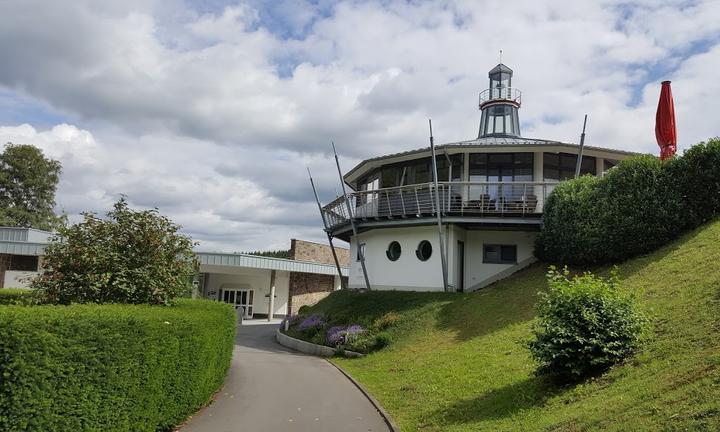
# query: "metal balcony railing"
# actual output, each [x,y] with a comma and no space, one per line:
[472,199]
[505,93]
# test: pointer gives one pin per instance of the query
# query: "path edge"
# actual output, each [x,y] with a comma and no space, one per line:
[309,347]
[386,417]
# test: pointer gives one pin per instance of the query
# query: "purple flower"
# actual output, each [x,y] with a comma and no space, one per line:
[340,335]
[311,322]
[335,336]
[352,333]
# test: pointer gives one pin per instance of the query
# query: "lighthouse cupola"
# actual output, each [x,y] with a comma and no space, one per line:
[499,104]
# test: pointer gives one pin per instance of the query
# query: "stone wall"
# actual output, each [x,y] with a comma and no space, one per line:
[306,289]
[302,250]
[4,265]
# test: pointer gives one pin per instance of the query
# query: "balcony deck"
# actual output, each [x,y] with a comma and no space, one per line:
[468,202]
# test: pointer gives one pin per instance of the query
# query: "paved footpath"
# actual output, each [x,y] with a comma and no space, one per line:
[271,388]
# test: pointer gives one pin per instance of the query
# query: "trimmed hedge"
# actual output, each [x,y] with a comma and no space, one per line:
[638,206]
[15,296]
[111,367]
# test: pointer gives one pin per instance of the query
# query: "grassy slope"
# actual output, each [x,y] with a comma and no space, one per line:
[458,361]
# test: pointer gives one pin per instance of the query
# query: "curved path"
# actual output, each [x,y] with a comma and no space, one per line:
[271,388]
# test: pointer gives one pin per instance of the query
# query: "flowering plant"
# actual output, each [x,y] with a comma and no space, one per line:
[340,335]
[311,322]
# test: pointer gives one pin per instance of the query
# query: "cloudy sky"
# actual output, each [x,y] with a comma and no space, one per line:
[211,110]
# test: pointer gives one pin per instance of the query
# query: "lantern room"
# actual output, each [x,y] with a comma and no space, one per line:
[499,105]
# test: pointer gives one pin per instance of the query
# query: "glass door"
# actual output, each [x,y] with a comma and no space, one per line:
[240,298]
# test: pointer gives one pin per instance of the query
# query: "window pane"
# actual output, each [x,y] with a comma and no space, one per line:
[551,174]
[491,254]
[498,128]
[551,159]
[500,158]
[509,254]
[390,177]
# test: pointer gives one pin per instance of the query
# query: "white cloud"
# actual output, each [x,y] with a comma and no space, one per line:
[213,116]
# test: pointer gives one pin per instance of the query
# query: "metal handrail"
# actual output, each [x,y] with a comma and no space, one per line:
[504,93]
[518,199]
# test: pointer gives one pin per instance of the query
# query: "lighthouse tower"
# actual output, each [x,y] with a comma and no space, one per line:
[499,104]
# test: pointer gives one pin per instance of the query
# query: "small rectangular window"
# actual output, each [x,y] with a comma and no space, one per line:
[499,254]
[360,251]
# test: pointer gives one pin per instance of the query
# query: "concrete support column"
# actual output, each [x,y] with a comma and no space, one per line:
[599,166]
[271,306]
[539,176]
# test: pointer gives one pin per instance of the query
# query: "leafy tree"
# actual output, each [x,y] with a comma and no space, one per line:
[129,257]
[28,181]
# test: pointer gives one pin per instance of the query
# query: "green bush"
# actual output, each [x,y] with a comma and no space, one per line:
[585,325]
[695,180]
[129,257]
[111,367]
[15,296]
[637,207]
[386,321]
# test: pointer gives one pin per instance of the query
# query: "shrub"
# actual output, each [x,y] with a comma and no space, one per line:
[111,367]
[695,179]
[585,325]
[130,257]
[637,207]
[386,321]
[15,296]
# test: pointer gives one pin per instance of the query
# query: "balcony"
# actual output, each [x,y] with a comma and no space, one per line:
[466,200]
[500,94]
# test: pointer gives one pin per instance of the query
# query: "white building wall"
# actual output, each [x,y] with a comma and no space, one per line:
[219,277]
[408,273]
[479,274]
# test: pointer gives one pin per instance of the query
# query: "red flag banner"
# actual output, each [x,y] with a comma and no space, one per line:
[665,132]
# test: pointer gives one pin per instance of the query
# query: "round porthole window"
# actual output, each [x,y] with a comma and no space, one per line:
[393,251]
[424,250]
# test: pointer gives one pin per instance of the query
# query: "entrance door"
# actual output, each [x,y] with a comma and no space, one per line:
[239,298]
[460,267]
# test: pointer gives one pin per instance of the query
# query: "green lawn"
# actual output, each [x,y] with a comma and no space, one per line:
[458,362]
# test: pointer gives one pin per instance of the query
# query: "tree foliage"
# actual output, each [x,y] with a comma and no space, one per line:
[586,324]
[129,257]
[28,181]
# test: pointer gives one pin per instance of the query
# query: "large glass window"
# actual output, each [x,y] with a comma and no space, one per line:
[501,167]
[420,171]
[561,166]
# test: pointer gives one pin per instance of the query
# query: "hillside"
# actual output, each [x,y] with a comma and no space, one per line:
[458,362]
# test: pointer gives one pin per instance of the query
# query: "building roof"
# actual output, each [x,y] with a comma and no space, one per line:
[486,142]
[28,241]
[270,263]
[23,241]
[500,68]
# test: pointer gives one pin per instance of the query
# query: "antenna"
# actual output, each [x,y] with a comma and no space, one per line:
[500,55]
